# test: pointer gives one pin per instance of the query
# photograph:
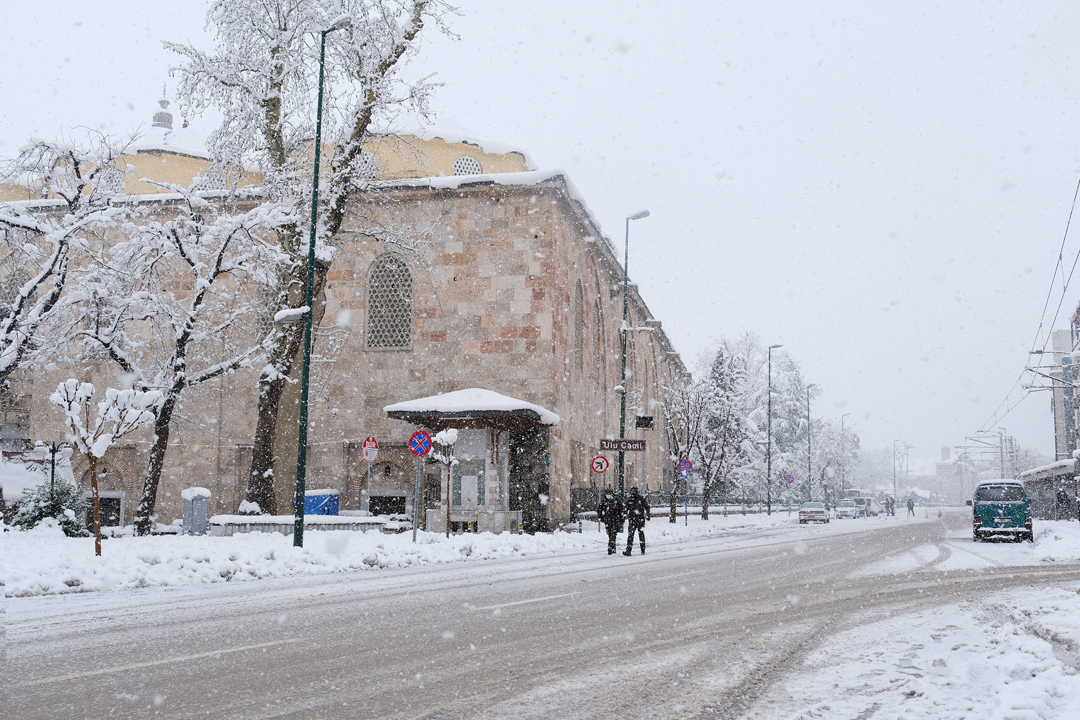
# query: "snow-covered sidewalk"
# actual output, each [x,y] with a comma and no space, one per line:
[44,562]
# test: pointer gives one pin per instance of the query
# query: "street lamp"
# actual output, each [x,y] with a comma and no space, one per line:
[843,462]
[41,450]
[768,451]
[895,496]
[309,299]
[622,375]
[809,472]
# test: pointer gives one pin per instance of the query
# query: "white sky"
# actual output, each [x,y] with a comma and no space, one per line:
[881,187]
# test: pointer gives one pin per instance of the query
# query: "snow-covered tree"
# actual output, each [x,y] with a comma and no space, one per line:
[57,499]
[175,303]
[719,450]
[684,403]
[92,434]
[263,78]
[76,188]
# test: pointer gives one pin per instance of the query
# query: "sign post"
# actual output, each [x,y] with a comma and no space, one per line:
[686,469]
[371,451]
[599,466]
[419,445]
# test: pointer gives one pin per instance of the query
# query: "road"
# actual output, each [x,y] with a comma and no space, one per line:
[694,629]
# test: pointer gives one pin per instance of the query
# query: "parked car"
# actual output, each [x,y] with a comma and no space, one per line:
[813,512]
[1000,510]
[867,506]
[847,509]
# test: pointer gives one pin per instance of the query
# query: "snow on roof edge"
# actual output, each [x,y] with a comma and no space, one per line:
[472,400]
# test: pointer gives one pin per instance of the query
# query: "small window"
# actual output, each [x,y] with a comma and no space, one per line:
[390,305]
[466,165]
[367,168]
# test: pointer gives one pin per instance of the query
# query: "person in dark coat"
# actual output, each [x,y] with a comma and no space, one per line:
[611,513]
[637,512]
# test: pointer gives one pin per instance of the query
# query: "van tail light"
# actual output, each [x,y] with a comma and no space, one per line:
[1027,522]
[977,521]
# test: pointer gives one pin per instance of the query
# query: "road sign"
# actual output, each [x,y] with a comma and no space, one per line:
[600,464]
[624,445]
[420,443]
[371,448]
[789,479]
[644,422]
[828,487]
[685,466]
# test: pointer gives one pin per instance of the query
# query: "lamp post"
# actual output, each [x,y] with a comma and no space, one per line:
[768,450]
[622,374]
[843,460]
[309,299]
[809,472]
[894,494]
[41,450]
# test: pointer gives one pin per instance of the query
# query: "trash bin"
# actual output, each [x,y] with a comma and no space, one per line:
[196,500]
[321,502]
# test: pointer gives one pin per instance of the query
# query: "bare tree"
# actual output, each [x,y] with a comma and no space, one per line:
[263,78]
[76,189]
[169,303]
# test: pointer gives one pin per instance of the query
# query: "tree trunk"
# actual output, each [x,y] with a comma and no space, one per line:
[144,515]
[260,489]
[97,503]
[674,501]
[706,495]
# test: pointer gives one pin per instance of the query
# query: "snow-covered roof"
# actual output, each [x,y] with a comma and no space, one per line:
[1061,467]
[471,403]
[451,132]
[178,142]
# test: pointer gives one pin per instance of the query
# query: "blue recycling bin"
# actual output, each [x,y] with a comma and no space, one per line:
[321,502]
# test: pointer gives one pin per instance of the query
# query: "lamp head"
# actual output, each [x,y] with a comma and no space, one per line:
[340,24]
[773,347]
[639,215]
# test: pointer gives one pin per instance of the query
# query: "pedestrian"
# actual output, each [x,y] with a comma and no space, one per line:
[611,511]
[637,512]
[911,507]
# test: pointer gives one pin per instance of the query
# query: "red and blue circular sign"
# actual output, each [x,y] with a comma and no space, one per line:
[420,443]
[789,479]
[685,466]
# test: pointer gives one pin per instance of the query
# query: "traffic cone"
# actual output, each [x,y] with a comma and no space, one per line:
[939,514]
[927,514]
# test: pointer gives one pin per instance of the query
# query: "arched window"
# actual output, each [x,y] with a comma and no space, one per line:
[466,165]
[390,305]
[577,327]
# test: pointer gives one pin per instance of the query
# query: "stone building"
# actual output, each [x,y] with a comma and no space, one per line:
[505,284]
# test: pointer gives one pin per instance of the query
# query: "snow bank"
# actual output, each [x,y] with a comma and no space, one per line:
[38,563]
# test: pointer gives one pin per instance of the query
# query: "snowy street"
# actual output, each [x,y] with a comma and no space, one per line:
[866,618]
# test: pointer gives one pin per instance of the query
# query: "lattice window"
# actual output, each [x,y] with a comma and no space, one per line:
[466,165]
[367,166]
[390,305]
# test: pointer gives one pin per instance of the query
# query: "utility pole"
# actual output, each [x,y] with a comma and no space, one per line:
[809,473]
[843,460]
[768,451]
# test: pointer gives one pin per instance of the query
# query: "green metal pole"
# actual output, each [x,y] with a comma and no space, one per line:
[768,450]
[309,300]
[622,371]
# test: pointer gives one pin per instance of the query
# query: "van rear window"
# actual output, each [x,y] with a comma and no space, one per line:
[1001,493]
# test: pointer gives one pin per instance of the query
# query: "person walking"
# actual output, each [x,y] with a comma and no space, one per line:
[910,508]
[611,512]
[637,512]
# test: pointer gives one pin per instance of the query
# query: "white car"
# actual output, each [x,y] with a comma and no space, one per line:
[847,509]
[813,512]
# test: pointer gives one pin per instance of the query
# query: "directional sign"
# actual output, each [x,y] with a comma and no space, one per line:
[420,443]
[789,479]
[623,445]
[685,466]
[371,448]
[600,464]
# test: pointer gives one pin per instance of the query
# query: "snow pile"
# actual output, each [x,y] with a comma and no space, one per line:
[1009,656]
[194,492]
[37,563]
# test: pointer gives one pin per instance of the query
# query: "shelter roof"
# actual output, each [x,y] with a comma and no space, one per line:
[471,408]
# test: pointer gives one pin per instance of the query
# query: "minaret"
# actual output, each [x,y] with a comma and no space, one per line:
[163,118]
